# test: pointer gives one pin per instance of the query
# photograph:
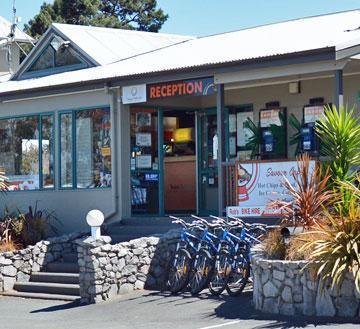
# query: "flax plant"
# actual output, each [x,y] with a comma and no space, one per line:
[308,194]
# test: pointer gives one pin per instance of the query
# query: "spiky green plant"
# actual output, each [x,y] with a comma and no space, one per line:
[255,140]
[295,139]
[339,132]
[336,246]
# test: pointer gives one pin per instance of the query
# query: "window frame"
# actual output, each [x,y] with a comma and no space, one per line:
[40,156]
[73,113]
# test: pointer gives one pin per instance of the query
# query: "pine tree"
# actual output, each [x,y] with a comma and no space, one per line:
[142,15]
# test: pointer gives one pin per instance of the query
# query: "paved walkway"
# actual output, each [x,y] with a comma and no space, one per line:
[143,310]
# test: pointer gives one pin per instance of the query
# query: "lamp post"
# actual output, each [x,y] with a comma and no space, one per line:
[95,218]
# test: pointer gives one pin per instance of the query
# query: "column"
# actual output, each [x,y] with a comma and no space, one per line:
[339,92]
[220,112]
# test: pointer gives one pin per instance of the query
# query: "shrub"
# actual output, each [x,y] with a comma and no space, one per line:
[274,245]
[337,245]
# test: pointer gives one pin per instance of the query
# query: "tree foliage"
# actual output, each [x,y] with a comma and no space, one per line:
[141,15]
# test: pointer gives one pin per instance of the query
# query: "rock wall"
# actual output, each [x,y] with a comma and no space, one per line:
[17,266]
[286,287]
[108,270]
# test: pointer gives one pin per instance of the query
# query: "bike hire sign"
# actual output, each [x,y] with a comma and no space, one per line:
[195,87]
[258,183]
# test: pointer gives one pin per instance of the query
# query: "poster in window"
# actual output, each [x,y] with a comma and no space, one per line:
[232,146]
[143,162]
[143,139]
[143,119]
[270,117]
[232,123]
[243,134]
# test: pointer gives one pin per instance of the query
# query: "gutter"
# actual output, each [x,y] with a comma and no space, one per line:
[327,53]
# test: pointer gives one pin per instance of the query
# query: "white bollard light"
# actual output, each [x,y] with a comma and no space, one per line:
[95,218]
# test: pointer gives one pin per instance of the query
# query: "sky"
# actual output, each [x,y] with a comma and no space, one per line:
[205,17]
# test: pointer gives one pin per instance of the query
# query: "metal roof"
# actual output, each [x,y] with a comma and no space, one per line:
[20,36]
[333,31]
[108,45]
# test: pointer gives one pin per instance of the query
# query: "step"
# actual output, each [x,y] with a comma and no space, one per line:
[63,267]
[53,277]
[70,258]
[40,296]
[48,288]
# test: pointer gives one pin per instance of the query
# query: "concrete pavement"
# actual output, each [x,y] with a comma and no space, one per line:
[143,310]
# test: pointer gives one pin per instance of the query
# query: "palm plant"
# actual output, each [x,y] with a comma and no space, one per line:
[339,132]
[295,139]
[255,140]
[308,194]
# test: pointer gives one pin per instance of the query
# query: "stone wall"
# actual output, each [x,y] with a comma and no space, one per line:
[108,270]
[286,287]
[17,266]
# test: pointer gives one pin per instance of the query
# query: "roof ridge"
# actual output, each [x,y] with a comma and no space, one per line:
[123,30]
[281,22]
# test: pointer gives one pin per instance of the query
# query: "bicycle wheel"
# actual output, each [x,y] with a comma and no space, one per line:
[222,270]
[239,275]
[178,275]
[201,272]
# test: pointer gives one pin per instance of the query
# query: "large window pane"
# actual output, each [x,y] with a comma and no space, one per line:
[66,145]
[47,144]
[93,148]
[19,152]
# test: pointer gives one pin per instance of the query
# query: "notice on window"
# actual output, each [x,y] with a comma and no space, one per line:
[243,134]
[313,113]
[232,146]
[232,123]
[143,162]
[143,139]
[270,117]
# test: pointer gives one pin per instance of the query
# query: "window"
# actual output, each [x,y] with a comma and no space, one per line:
[85,149]
[144,161]
[27,165]
[56,55]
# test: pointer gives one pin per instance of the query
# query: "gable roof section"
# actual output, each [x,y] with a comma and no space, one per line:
[107,45]
[100,46]
[20,36]
[334,32]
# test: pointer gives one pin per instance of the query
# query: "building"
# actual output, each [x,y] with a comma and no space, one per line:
[142,124]
[10,48]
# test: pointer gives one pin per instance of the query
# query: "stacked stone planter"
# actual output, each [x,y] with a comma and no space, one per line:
[17,266]
[290,288]
[108,270]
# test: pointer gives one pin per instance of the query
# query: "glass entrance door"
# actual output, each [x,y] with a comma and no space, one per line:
[207,163]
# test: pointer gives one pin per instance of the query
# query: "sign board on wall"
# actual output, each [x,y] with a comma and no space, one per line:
[243,134]
[258,183]
[134,94]
[195,87]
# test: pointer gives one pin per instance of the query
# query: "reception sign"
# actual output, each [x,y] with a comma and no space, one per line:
[195,87]
[258,183]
